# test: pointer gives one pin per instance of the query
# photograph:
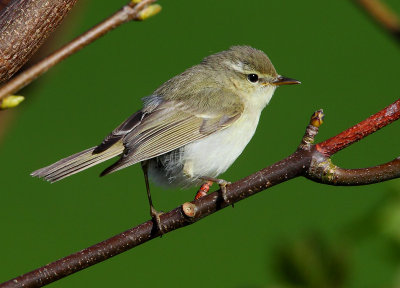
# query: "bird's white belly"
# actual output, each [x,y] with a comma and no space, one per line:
[207,157]
[213,155]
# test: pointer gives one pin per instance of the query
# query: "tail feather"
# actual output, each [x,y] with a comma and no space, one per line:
[76,163]
[79,163]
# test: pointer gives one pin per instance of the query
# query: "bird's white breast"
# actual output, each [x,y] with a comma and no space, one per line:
[214,154]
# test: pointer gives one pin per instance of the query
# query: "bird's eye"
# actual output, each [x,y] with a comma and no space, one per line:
[252,78]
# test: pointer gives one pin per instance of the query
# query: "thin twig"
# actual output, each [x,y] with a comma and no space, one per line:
[125,14]
[359,131]
[382,15]
[327,173]
[24,26]
[305,161]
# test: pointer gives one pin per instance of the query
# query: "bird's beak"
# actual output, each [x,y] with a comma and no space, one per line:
[281,80]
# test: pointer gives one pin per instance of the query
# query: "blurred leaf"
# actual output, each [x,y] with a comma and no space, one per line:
[383,219]
[11,101]
[311,262]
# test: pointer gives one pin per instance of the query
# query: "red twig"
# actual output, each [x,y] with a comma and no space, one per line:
[361,130]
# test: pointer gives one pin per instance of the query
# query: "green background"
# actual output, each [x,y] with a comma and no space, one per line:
[348,66]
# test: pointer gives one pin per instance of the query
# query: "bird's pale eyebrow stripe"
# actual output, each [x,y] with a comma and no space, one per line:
[238,66]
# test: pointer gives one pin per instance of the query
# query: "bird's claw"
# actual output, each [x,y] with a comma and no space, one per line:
[206,186]
[222,185]
[155,216]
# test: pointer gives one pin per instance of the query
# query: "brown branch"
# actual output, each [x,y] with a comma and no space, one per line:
[172,220]
[382,15]
[129,12]
[24,26]
[323,171]
[305,161]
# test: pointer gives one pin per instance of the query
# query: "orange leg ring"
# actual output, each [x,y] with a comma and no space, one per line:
[203,190]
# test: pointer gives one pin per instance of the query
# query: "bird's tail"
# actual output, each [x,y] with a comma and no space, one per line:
[76,163]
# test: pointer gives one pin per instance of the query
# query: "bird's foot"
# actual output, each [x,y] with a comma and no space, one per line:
[155,216]
[222,185]
[203,190]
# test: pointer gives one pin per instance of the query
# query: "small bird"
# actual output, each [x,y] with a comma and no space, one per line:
[192,128]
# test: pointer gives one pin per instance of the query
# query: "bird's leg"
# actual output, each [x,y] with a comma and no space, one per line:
[203,190]
[206,187]
[155,215]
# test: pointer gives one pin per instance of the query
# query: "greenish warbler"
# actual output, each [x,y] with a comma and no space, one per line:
[192,128]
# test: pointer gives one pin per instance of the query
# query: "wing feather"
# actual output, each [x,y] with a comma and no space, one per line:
[167,127]
[118,133]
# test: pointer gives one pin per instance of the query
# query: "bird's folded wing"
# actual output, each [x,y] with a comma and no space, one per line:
[169,126]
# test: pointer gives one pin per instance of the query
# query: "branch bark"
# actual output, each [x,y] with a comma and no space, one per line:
[307,161]
[327,173]
[4,3]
